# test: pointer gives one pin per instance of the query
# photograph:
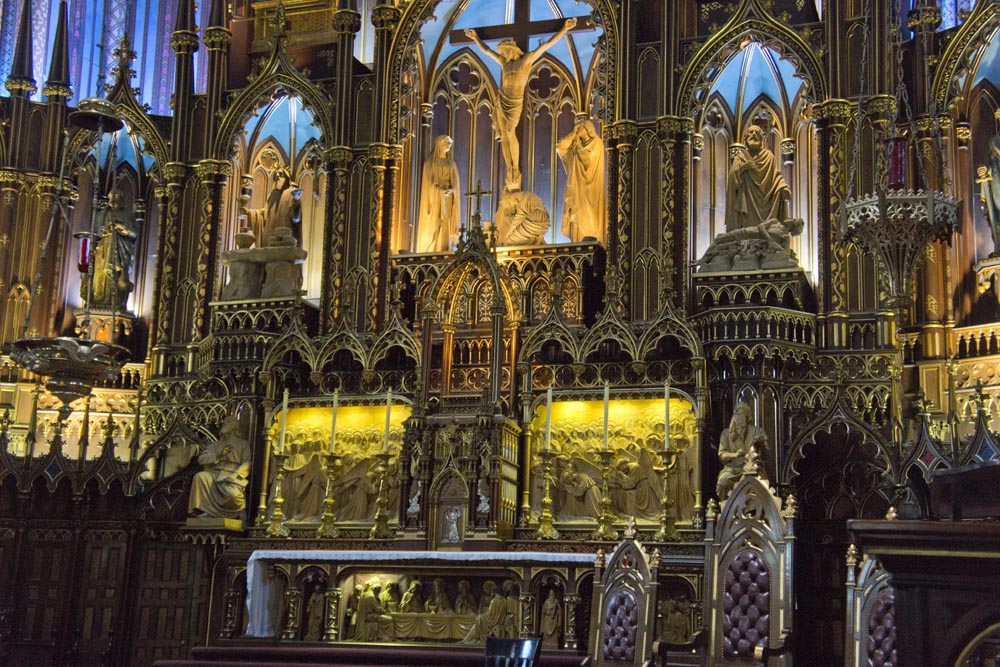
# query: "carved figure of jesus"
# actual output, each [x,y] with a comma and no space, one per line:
[516,69]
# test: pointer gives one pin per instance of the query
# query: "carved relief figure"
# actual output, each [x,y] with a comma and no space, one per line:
[351,612]
[390,597]
[763,246]
[989,180]
[465,602]
[438,602]
[755,189]
[636,490]
[304,486]
[735,444]
[438,215]
[218,490]
[113,251]
[491,622]
[413,599]
[512,616]
[372,623]
[585,206]
[514,79]
[551,622]
[581,495]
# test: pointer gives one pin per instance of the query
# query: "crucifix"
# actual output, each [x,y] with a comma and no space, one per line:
[516,67]
[478,195]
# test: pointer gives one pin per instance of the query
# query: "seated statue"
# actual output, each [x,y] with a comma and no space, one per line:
[218,490]
[734,446]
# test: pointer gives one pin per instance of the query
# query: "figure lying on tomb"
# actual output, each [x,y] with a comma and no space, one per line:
[761,247]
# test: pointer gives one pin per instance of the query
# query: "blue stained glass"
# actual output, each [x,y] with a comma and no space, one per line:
[479,14]
[728,83]
[989,63]
[276,123]
[754,72]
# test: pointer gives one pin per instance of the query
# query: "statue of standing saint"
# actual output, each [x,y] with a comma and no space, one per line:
[755,189]
[989,180]
[516,66]
[113,251]
[585,205]
[438,215]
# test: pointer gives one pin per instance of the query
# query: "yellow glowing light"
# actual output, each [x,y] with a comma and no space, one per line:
[640,418]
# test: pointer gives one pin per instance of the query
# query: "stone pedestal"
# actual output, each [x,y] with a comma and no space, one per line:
[271,272]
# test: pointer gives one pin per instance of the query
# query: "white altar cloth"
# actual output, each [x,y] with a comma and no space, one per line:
[259,590]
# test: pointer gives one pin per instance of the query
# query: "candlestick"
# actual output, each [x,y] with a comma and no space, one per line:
[333,420]
[666,416]
[548,418]
[607,394]
[388,408]
[284,422]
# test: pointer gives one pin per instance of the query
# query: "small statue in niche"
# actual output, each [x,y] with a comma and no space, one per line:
[316,613]
[585,206]
[452,535]
[551,621]
[284,206]
[755,189]
[676,619]
[438,215]
[735,444]
[989,182]
[465,602]
[113,251]
[218,490]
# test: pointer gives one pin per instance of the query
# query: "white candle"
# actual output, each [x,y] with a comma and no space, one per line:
[284,422]
[607,394]
[548,418]
[388,409]
[666,416]
[333,420]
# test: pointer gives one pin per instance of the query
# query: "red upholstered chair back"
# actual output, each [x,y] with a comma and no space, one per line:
[751,577]
[623,615]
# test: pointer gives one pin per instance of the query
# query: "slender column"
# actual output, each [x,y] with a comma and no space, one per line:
[384,160]
[674,134]
[497,349]
[447,356]
[832,117]
[218,38]
[175,174]
[346,23]
[213,175]
[385,18]
[623,134]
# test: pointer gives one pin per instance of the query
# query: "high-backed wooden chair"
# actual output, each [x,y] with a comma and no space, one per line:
[512,652]
[871,614]
[623,615]
[751,574]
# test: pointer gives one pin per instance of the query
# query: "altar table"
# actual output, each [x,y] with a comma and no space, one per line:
[263,609]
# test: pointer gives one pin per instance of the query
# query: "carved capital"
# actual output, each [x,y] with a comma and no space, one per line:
[963,132]
[385,17]
[671,128]
[385,152]
[217,38]
[622,131]
[213,171]
[175,172]
[184,42]
[338,156]
[346,22]
[834,112]
[880,108]
[56,90]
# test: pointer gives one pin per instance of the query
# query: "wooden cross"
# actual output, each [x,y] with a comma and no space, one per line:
[522,28]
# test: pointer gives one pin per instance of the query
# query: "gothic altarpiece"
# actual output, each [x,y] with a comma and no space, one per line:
[500,283]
